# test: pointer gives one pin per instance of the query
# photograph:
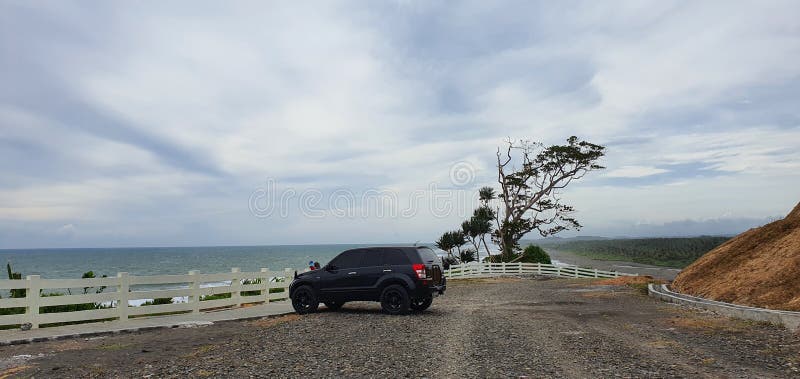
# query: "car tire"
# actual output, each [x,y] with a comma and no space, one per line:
[421,304]
[334,306]
[395,300]
[304,301]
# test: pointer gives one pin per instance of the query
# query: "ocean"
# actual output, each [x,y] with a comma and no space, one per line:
[72,263]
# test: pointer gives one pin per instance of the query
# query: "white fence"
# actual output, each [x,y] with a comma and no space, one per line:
[262,287]
[265,286]
[478,270]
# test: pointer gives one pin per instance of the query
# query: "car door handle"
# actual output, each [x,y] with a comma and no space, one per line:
[351,273]
[387,270]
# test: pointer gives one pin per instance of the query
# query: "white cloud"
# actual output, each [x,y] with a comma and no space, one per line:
[634,172]
[336,95]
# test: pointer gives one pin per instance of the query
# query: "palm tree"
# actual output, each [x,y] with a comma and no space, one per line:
[486,194]
[451,240]
[470,229]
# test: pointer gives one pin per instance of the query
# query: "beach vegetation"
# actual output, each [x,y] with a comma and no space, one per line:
[535,254]
[530,177]
[158,301]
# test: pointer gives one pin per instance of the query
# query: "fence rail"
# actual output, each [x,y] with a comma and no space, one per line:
[478,270]
[114,302]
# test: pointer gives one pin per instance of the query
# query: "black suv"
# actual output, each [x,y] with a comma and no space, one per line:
[401,278]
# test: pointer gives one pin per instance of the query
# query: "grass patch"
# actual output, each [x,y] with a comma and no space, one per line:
[667,252]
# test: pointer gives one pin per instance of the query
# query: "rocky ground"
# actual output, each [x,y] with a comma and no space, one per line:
[482,328]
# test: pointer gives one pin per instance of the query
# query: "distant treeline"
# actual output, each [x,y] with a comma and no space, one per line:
[673,252]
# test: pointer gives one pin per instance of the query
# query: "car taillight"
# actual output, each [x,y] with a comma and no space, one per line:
[419,269]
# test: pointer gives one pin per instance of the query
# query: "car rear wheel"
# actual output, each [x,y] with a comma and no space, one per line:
[421,304]
[395,300]
[304,301]
[334,306]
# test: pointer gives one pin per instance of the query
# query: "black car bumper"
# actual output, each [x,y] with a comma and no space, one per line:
[430,290]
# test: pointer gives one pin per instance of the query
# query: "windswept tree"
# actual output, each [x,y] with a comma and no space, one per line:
[530,177]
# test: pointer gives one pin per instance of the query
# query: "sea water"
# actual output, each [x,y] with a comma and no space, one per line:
[140,261]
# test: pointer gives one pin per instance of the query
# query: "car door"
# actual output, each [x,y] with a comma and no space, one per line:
[340,274]
[371,270]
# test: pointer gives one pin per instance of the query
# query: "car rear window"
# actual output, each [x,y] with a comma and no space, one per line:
[428,255]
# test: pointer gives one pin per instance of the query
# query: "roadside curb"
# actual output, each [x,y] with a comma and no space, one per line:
[788,319]
[129,330]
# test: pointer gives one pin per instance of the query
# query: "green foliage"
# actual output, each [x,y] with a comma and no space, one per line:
[18,292]
[68,307]
[486,194]
[90,275]
[158,301]
[451,240]
[251,281]
[11,311]
[672,252]
[467,255]
[530,178]
[216,296]
[535,254]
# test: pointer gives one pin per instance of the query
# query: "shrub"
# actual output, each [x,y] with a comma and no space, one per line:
[216,296]
[248,282]
[535,254]
[467,255]
[68,307]
[158,301]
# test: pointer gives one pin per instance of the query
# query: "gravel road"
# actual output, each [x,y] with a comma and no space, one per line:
[506,327]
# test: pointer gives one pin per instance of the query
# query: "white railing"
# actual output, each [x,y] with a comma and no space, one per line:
[478,270]
[114,302]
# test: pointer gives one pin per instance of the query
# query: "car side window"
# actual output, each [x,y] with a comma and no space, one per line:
[394,257]
[371,258]
[348,259]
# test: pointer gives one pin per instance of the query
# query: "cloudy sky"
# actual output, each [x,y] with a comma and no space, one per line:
[152,123]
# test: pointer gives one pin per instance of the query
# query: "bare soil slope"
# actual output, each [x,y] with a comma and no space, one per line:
[760,267]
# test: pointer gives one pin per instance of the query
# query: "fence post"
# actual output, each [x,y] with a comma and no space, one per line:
[194,298]
[595,273]
[236,286]
[124,287]
[265,280]
[539,268]
[288,277]
[576,271]
[32,295]
[558,271]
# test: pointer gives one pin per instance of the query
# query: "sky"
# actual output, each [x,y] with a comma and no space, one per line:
[190,123]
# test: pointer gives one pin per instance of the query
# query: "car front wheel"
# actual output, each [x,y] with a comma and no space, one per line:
[304,301]
[395,300]
[421,304]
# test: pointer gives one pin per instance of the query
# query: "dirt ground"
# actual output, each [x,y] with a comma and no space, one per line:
[759,268]
[480,328]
